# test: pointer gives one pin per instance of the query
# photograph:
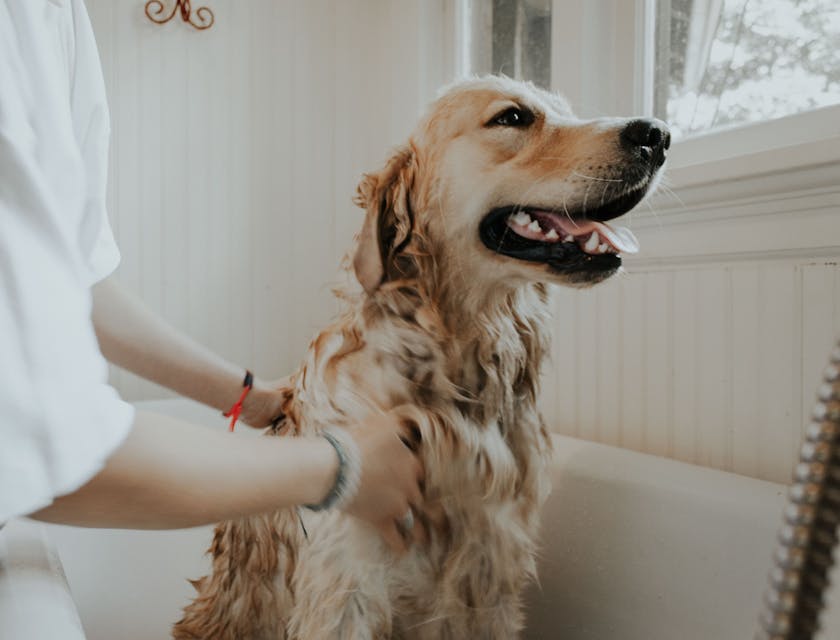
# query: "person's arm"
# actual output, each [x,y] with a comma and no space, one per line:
[132,337]
[170,474]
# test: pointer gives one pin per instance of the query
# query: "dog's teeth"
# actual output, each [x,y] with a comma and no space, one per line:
[534,226]
[569,238]
[593,241]
[522,218]
[552,235]
[603,247]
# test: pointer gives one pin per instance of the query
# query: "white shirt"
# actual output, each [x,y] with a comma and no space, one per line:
[59,418]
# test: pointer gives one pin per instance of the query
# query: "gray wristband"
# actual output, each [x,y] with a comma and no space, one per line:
[349,471]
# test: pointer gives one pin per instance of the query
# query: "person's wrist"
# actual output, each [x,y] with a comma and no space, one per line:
[347,476]
[262,405]
[326,467]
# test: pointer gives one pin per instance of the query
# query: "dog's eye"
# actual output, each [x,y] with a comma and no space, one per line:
[513,117]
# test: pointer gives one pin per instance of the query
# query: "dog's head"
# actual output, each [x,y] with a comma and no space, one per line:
[500,183]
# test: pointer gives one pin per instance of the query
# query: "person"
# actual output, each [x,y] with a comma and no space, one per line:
[71,450]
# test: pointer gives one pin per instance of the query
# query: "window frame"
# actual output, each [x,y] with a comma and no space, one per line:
[801,140]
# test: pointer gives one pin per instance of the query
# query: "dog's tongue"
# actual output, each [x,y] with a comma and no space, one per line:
[621,238]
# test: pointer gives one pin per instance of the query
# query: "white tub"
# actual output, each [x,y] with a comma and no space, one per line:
[636,548]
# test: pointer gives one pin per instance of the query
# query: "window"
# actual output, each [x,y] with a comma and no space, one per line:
[721,63]
[737,80]
[511,37]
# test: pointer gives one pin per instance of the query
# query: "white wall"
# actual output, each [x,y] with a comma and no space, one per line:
[236,151]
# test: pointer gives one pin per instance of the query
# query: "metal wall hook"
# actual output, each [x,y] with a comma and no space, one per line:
[202,19]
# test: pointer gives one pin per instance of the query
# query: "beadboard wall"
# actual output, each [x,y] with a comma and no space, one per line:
[235,154]
[236,151]
[715,365]
[710,347]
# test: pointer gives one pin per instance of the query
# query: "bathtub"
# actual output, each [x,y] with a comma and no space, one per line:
[635,547]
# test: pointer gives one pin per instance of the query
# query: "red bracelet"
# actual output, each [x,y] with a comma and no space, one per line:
[236,409]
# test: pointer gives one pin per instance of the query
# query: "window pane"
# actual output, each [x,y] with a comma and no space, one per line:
[512,37]
[726,62]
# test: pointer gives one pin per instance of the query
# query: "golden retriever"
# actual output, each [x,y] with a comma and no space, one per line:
[499,192]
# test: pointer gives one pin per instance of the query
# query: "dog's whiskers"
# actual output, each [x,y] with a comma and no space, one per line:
[502,239]
[566,210]
[537,183]
[669,191]
[585,196]
[597,179]
[655,213]
[604,194]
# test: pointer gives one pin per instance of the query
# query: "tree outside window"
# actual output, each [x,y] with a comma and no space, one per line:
[727,62]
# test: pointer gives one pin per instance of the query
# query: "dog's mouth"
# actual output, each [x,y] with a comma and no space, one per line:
[568,242]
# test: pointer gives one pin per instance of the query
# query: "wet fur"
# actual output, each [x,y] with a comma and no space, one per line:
[485,450]
[459,358]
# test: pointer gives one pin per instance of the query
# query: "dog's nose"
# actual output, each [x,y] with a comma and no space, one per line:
[649,136]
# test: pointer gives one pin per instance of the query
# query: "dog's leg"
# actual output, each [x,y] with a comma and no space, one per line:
[450,621]
[248,596]
[504,621]
[481,597]
[454,621]
[341,584]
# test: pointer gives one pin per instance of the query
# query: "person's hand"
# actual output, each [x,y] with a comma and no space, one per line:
[389,494]
[264,402]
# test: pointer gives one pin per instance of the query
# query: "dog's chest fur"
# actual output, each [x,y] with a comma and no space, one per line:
[472,396]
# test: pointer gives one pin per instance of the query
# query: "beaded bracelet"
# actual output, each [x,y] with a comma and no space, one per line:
[349,471]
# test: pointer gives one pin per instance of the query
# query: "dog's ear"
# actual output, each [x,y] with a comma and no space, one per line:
[389,221]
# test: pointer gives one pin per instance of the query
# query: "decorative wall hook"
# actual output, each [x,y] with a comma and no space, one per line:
[203,18]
